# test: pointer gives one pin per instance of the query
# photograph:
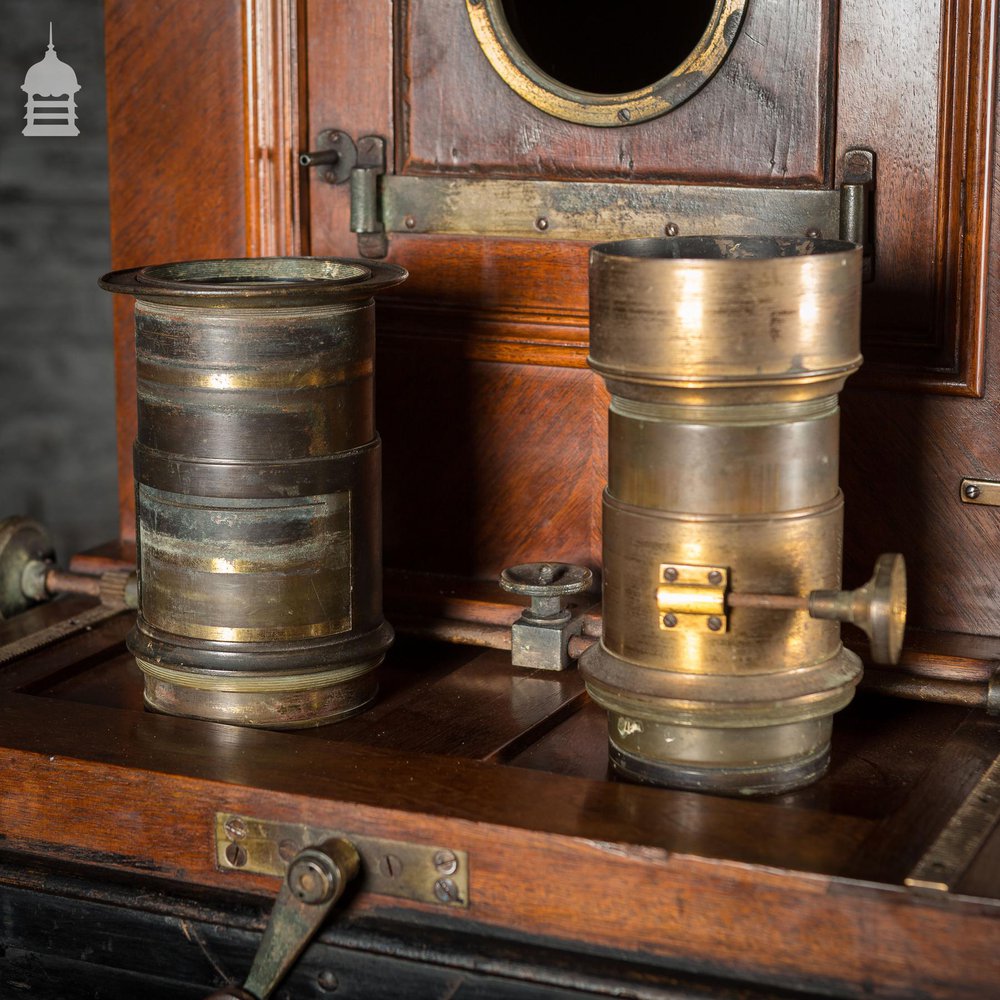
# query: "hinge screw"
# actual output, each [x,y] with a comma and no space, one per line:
[446,862]
[236,829]
[972,491]
[410,222]
[714,623]
[671,229]
[541,223]
[715,578]
[446,890]
[670,574]
[670,620]
[236,855]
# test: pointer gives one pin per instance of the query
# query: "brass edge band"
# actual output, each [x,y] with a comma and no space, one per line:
[258,682]
[719,715]
[611,672]
[790,379]
[195,378]
[800,513]
[219,633]
[745,414]
[252,481]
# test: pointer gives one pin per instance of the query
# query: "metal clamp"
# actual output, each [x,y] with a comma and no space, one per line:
[589,211]
[540,637]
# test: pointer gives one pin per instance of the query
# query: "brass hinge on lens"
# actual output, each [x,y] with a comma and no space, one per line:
[692,598]
[590,211]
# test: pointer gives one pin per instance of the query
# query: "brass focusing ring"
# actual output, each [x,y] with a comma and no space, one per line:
[742,415]
[220,633]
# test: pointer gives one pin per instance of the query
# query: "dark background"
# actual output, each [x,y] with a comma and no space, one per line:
[57,441]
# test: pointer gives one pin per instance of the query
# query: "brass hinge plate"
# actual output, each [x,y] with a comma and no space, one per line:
[438,875]
[692,598]
[592,211]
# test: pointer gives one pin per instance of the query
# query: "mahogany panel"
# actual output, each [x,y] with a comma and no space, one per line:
[176,158]
[916,85]
[485,464]
[761,119]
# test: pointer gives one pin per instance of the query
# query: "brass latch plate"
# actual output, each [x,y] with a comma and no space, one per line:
[692,598]
[437,875]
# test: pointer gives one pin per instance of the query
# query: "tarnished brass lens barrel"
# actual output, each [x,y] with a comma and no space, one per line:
[723,357]
[258,499]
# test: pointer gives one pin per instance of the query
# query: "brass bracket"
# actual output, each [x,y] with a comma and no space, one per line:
[692,598]
[437,875]
[984,492]
[592,211]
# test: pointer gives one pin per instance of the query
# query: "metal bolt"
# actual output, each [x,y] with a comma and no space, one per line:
[310,881]
[670,574]
[714,623]
[327,981]
[446,862]
[812,233]
[671,229]
[446,890]
[236,855]
[409,222]
[541,223]
[287,850]
[670,619]
[972,491]
[390,866]
[624,115]
[236,829]
[715,578]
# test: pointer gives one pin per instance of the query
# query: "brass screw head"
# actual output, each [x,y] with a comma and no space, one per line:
[236,829]
[670,619]
[446,862]
[236,855]
[972,491]
[446,890]
[714,623]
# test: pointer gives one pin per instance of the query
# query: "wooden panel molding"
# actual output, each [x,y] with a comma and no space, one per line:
[276,127]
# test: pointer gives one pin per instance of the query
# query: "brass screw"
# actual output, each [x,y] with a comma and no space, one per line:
[390,866]
[812,233]
[670,574]
[446,862]
[541,223]
[715,578]
[671,229]
[624,115]
[972,491]
[236,855]
[714,623]
[236,829]
[670,619]
[327,981]
[410,222]
[287,850]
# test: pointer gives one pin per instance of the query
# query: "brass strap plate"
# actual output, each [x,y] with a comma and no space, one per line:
[947,859]
[437,875]
[595,210]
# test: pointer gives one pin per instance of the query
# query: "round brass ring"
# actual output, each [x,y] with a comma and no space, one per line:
[604,110]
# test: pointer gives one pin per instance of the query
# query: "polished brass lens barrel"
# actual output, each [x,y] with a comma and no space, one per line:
[723,357]
[258,500]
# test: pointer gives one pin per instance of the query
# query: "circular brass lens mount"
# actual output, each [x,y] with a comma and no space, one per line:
[520,73]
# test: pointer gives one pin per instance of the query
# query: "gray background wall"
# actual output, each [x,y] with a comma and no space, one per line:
[57,445]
